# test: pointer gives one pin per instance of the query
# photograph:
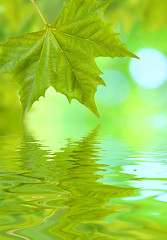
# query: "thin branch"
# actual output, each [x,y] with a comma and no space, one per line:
[38,11]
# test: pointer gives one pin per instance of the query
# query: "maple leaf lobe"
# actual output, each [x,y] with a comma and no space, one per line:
[63,55]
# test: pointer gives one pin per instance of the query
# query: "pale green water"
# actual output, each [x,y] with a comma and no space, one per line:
[99,187]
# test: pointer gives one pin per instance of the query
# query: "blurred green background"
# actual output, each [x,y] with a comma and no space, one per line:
[55,167]
[136,89]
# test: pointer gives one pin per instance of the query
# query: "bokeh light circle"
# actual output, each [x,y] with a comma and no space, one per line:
[151,70]
[156,96]
[117,90]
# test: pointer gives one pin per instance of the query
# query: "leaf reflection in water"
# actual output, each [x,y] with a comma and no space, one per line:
[11,232]
[57,195]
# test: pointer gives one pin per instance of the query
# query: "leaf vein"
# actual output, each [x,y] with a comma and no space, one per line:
[67,60]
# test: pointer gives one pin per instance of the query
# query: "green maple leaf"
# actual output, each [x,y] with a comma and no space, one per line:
[63,55]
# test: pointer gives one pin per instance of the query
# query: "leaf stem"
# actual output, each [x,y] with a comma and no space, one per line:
[38,11]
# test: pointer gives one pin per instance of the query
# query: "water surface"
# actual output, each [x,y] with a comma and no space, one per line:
[99,187]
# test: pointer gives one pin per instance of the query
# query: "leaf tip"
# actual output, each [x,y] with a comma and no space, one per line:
[93,108]
[96,114]
[135,56]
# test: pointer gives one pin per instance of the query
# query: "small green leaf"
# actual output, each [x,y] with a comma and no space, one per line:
[63,55]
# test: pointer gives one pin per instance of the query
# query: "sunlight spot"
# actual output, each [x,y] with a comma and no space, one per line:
[155,213]
[156,96]
[158,121]
[151,70]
